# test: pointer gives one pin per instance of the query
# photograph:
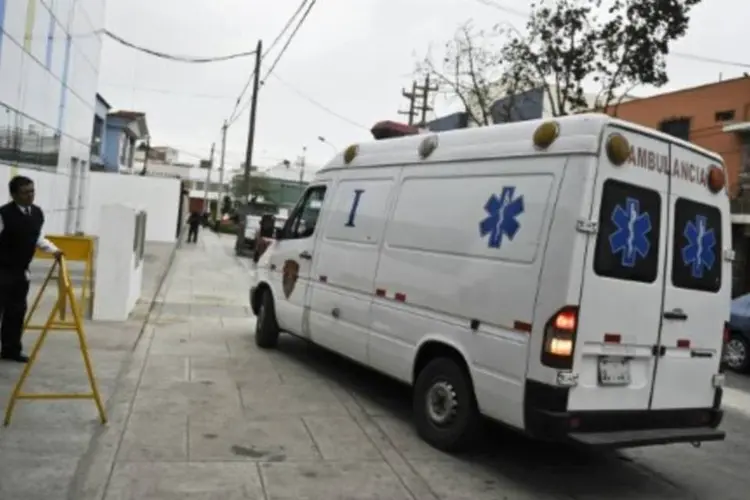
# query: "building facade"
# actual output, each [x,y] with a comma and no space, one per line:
[98,136]
[717,117]
[161,161]
[714,116]
[123,132]
[49,70]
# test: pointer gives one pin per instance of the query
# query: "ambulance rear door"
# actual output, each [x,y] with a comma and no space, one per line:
[697,287]
[620,308]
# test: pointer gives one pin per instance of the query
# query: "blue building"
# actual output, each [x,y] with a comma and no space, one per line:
[450,122]
[527,105]
[122,131]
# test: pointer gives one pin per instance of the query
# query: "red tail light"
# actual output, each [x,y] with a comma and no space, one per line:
[559,338]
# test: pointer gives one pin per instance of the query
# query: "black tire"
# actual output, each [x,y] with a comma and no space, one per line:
[460,430]
[266,328]
[737,357]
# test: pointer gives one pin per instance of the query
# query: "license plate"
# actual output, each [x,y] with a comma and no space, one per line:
[614,371]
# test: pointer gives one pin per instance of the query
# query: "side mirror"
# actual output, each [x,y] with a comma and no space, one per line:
[278,233]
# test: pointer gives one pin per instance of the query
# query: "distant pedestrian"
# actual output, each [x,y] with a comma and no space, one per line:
[20,235]
[194,223]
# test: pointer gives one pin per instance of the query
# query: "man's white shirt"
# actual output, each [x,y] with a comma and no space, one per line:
[42,243]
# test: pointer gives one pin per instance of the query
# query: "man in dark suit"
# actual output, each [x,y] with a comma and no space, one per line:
[20,235]
[194,222]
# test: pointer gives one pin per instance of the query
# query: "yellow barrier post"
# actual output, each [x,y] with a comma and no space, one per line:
[66,297]
[75,249]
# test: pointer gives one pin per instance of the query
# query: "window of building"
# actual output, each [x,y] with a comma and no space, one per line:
[724,116]
[96,139]
[676,127]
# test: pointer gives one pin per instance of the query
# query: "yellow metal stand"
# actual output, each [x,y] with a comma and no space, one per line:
[78,249]
[56,321]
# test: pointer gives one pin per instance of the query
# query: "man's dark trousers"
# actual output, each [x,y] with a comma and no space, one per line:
[14,287]
[193,233]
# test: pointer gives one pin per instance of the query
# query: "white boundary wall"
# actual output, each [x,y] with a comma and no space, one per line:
[158,196]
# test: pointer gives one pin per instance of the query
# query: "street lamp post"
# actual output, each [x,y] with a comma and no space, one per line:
[325,141]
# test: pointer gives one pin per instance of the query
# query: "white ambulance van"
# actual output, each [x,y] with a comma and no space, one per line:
[567,278]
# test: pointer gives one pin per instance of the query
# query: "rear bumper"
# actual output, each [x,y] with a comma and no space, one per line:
[649,437]
[546,417]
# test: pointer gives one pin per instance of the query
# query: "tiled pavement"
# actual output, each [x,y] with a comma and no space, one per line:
[40,451]
[203,414]
[198,412]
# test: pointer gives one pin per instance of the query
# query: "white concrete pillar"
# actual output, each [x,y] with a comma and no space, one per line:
[119,262]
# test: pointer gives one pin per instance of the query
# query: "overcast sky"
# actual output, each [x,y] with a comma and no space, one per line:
[351,57]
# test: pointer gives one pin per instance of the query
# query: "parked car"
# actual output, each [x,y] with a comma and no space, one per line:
[738,346]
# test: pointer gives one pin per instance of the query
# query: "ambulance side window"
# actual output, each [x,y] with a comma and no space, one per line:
[305,217]
[627,245]
[697,254]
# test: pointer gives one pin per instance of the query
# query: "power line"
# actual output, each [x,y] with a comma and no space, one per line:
[167,91]
[710,60]
[681,55]
[319,105]
[289,40]
[279,56]
[172,57]
[270,48]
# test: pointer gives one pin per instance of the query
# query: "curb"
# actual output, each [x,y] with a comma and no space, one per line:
[79,489]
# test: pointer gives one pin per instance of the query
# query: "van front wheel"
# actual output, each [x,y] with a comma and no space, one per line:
[445,408]
[266,328]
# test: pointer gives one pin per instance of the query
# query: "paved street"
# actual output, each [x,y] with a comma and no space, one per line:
[201,413]
[40,451]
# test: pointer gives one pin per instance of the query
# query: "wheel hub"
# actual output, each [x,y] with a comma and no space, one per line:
[735,353]
[441,403]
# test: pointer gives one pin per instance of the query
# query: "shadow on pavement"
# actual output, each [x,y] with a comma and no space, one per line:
[556,470]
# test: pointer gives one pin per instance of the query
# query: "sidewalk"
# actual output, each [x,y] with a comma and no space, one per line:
[203,414]
[40,450]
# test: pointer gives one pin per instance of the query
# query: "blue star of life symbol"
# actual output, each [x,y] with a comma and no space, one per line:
[502,217]
[699,253]
[630,239]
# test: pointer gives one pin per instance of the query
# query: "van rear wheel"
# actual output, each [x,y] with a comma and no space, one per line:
[445,408]
[737,356]
[266,327]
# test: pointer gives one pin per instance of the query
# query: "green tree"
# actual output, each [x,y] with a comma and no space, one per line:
[572,43]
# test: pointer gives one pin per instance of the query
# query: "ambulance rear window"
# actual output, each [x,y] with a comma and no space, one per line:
[696,255]
[627,245]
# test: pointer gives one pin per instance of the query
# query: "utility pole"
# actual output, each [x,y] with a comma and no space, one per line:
[253,113]
[208,179]
[144,171]
[419,101]
[221,162]
[426,91]
[412,97]
[302,166]
[239,242]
